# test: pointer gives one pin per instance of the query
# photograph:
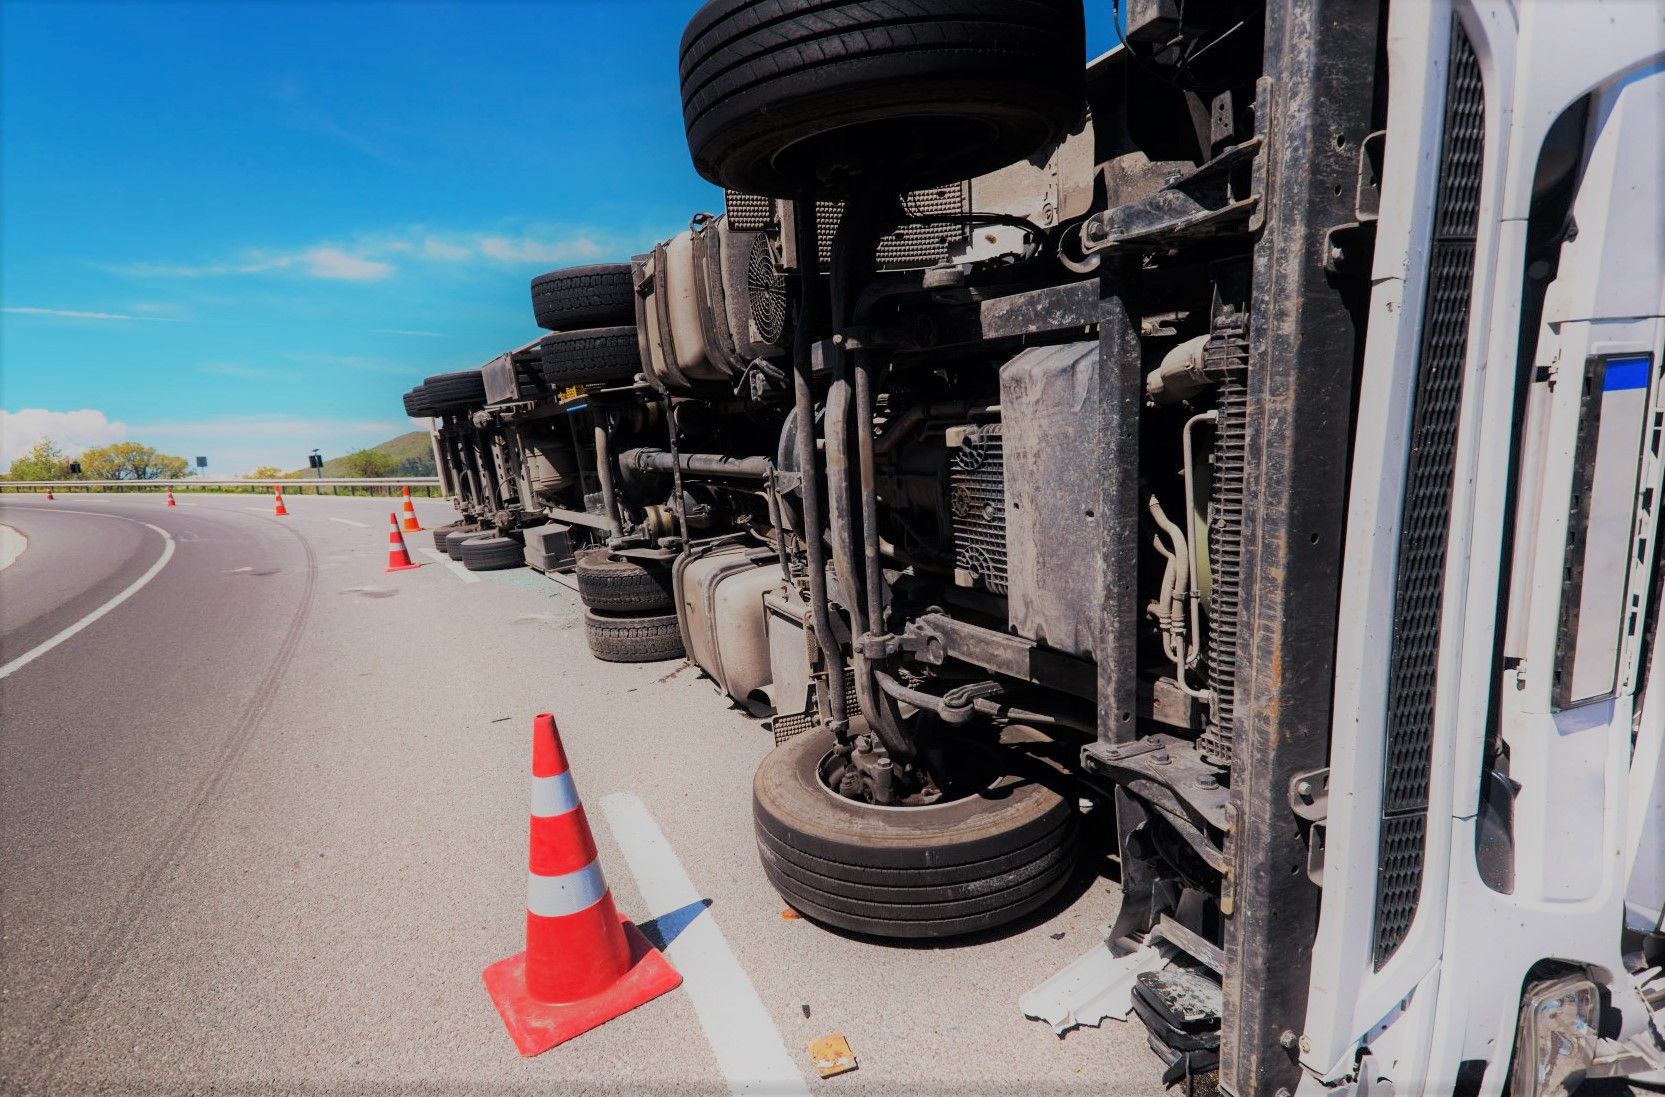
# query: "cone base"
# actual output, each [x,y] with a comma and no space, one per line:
[538,1026]
[401,567]
[412,529]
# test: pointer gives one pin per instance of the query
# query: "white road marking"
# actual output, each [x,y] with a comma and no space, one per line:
[350,522]
[743,1037]
[451,565]
[138,584]
[12,544]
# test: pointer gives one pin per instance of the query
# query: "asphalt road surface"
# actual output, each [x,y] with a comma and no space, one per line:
[263,820]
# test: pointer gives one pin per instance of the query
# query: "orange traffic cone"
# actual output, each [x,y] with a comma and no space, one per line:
[411,524]
[171,503]
[398,557]
[278,509]
[583,965]
[49,495]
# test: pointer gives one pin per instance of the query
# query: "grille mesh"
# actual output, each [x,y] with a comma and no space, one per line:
[917,244]
[1226,359]
[912,245]
[796,723]
[747,212]
[1398,879]
[1426,515]
[977,502]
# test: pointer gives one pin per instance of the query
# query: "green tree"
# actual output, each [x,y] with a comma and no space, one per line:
[369,462]
[44,461]
[132,461]
[265,472]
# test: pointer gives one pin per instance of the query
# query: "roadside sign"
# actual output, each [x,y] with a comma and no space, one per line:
[202,462]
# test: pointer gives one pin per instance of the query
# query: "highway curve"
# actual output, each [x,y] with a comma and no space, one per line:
[263,823]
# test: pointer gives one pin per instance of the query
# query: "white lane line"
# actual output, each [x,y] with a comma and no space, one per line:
[138,584]
[451,565]
[350,522]
[12,544]
[743,1037]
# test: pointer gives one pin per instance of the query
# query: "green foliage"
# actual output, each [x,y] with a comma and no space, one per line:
[132,461]
[44,461]
[265,472]
[412,455]
[369,462]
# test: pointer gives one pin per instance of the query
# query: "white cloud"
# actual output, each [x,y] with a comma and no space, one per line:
[369,257]
[335,263]
[241,443]
[237,369]
[433,248]
[73,431]
[320,262]
[77,314]
[530,249]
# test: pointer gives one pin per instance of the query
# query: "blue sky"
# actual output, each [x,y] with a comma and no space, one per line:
[243,229]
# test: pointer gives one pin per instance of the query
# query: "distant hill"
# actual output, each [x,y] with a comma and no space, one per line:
[413,455]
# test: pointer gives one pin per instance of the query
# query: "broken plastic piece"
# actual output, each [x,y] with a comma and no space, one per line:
[1093,987]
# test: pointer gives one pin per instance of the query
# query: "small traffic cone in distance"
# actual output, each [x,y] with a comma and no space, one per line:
[411,524]
[278,509]
[398,557]
[584,965]
[171,503]
[49,495]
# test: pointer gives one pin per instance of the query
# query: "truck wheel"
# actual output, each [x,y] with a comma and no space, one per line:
[584,297]
[455,391]
[589,357]
[778,95]
[416,403]
[489,552]
[442,532]
[632,639]
[454,540]
[621,586]
[954,867]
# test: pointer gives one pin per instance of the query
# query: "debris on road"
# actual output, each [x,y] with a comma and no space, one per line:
[831,1054]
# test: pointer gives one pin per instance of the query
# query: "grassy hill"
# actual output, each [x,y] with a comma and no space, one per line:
[412,454]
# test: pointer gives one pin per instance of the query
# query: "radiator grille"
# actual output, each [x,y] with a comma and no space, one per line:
[796,723]
[1425,517]
[977,503]
[747,212]
[1226,359]
[916,244]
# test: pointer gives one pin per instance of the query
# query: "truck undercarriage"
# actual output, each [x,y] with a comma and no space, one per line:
[1244,452]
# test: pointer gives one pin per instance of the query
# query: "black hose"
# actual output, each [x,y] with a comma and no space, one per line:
[803,406]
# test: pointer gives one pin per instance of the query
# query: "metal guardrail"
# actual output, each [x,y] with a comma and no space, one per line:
[371,485]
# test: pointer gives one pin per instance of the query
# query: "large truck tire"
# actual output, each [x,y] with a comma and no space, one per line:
[489,552]
[779,95]
[591,357]
[454,540]
[959,866]
[584,297]
[648,638]
[455,391]
[442,532]
[416,403]
[621,586]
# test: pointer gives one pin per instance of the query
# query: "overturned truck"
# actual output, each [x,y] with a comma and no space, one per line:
[1253,436]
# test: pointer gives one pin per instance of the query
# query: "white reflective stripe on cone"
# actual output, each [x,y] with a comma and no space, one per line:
[554,896]
[555,795]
